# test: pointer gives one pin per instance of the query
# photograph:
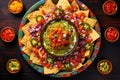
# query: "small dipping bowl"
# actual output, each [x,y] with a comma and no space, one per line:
[15,6]
[7,34]
[104,66]
[13,66]
[110,7]
[111,34]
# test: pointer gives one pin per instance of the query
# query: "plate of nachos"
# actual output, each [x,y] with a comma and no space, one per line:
[59,39]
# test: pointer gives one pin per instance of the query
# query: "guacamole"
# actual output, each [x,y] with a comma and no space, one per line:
[59,37]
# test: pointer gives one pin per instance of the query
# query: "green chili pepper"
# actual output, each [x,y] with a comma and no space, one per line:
[58,11]
[88,46]
[86,26]
[67,66]
[50,60]
[34,42]
[39,17]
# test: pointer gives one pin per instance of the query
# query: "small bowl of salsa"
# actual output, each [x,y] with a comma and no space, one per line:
[7,34]
[110,7]
[111,34]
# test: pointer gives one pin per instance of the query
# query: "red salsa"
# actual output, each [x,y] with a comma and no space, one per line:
[7,34]
[111,34]
[110,7]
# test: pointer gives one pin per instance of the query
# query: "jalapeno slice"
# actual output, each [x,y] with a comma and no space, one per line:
[39,17]
[86,26]
[67,66]
[88,46]
[34,42]
[50,60]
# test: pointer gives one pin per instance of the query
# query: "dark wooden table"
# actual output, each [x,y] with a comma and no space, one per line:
[110,51]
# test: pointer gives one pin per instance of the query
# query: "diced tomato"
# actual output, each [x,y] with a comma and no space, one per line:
[71,1]
[86,33]
[88,39]
[43,12]
[74,62]
[41,22]
[82,52]
[81,15]
[47,65]
[78,58]
[42,59]
[110,7]
[44,63]
[111,34]
[76,24]
[75,7]
[35,50]
[80,28]
[59,64]
[71,16]
[42,52]
[68,9]
[7,34]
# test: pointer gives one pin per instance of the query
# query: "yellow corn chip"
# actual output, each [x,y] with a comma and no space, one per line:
[47,6]
[79,66]
[85,12]
[34,59]
[64,3]
[90,21]
[52,70]
[76,4]
[26,51]
[33,15]
[94,35]
[25,39]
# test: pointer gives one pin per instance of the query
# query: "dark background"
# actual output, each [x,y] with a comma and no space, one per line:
[108,50]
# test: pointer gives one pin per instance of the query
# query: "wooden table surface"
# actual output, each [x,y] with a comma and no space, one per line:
[110,51]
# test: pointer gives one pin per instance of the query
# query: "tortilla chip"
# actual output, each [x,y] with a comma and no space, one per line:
[88,53]
[25,39]
[34,59]
[64,3]
[76,4]
[79,66]
[85,12]
[26,51]
[33,15]
[90,21]
[52,70]
[28,45]
[47,6]
[94,35]
[25,28]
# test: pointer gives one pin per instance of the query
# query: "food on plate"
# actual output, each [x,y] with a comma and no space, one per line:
[13,66]
[111,34]
[54,30]
[110,7]
[104,66]
[15,6]
[59,37]
[7,34]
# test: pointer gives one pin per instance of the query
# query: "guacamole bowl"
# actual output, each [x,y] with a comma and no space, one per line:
[59,37]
